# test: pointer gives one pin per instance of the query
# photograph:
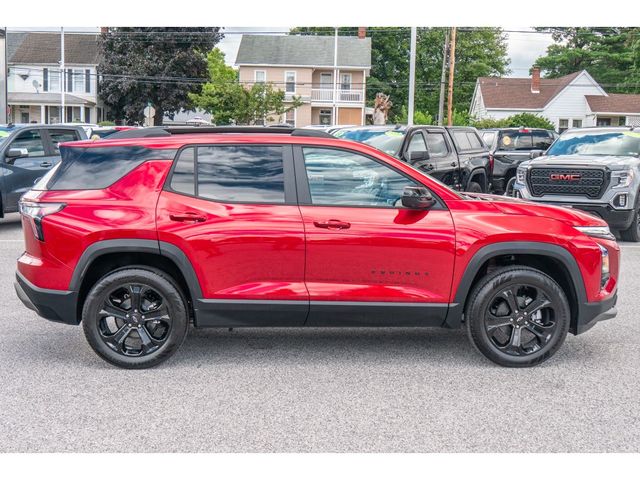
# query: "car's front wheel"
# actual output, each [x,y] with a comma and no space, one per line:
[517,316]
[135,317]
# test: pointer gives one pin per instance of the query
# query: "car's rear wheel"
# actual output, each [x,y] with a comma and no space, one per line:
[135,317]
[517,316]
[474,187]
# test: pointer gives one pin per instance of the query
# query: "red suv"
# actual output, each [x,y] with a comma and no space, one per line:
[139,235]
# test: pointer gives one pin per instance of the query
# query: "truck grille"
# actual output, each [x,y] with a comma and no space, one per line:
[588,182]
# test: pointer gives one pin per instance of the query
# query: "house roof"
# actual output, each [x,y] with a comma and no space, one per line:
[20,98]
[44,48]
[499,92]
[303,50]
[614,103]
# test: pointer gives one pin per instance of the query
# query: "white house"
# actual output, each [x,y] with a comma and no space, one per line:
[36,83]
[575,100]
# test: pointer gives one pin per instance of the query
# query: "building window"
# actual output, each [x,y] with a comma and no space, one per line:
[69,84]
[325,117]
[260,76]
[290,117]
[603,122]
[576,123]
[290,82]
[563,124]
[54,115]
[78,81]
[345,81]
[326,80]
[45,79]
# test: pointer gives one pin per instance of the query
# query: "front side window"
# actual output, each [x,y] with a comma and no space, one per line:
[240,173]
[290,82]
[31,141]
[417,143]
[341,177]
[437,145]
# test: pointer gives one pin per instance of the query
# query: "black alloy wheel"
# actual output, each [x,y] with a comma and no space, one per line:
[517,316]
[134,320]
[135,317]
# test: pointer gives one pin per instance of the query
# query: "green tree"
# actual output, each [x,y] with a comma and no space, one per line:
[480,52]
[157,65]
[230,102]
[611,55]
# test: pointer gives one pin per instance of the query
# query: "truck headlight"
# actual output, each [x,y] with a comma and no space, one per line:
[622,178]
[597,231]
[521,174]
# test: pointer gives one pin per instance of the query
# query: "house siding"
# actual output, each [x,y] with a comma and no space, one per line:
[571,103]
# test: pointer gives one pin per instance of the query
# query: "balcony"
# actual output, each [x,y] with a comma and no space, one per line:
[325,95]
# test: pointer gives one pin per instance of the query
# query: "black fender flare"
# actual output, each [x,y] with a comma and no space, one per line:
[478,172]
[557,252]
[132,245]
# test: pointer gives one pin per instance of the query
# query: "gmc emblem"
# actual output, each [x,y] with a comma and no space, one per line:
[569,177]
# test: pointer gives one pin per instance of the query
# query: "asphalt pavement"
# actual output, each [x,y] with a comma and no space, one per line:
[316,390]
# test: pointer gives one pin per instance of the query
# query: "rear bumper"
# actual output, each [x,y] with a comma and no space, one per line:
[592,313]
[55,305]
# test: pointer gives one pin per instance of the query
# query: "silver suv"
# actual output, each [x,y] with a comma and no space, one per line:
[593,169]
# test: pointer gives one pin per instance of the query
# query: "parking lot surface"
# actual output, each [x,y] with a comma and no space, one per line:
[313,390]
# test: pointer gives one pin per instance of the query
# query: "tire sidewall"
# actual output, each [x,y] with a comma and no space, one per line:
[175,305]
[485,293]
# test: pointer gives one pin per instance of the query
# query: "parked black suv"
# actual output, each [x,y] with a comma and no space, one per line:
[27,152]
[509,147]
[454,155]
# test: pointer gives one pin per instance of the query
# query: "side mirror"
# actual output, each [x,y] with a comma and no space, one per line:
[535,154]
[13,153]
[418,198]
[418,156]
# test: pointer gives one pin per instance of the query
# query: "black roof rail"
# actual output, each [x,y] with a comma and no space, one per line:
[169,131]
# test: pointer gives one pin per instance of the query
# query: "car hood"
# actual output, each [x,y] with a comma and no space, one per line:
[516,206]
[614,162]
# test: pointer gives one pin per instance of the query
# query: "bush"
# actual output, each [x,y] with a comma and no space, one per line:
[419,118]
[520,120]
[106,123]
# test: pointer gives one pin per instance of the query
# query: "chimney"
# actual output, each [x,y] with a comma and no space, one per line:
[535,80]
[362,32]
[104,29]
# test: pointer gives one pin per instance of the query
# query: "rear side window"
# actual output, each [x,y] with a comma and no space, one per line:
[98,167]
[61,136]
[474,141]
[462,142]
[231,173]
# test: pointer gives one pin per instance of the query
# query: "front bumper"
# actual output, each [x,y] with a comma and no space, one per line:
[55,305]
[592,313]
[617,219]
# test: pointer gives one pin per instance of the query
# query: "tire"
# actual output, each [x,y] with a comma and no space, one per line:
[131,337]
[632,234]
[524,337]
[474,187]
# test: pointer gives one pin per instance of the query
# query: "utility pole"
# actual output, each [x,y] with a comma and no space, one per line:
[412,74]
[63,77]
[335,77]
[452,67]
[443,79]
[3,76]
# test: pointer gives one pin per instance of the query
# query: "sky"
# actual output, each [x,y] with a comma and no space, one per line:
[523,48]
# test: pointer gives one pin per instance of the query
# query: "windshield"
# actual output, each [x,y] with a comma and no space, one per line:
[389,141]
[4,133]
[597,143]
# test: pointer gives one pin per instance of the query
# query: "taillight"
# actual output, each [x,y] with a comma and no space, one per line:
[35,212]
[491,160]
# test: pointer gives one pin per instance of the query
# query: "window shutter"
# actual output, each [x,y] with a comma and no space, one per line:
[45,80]
[70,80]
[87,81]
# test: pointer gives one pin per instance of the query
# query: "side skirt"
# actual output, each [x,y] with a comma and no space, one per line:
[275,313]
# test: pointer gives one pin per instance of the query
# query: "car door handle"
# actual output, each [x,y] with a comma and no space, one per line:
[454,164]
[45,164]
[187,217]
[333,224]
[428,167]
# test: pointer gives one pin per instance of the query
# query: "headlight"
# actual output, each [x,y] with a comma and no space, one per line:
[622,179]
[521,173]
[604,275]
[598,232]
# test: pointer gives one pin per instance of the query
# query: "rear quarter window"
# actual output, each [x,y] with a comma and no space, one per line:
[94,168]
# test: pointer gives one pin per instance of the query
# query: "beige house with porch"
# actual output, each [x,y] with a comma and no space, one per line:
[303,66]
[36,84]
